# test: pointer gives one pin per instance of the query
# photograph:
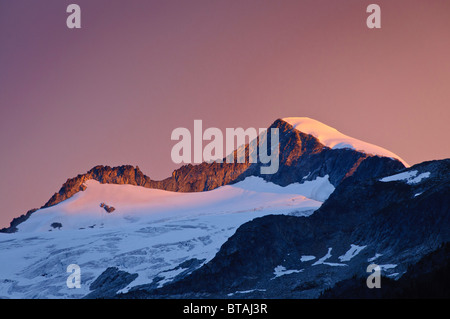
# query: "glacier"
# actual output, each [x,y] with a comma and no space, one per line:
[150,233]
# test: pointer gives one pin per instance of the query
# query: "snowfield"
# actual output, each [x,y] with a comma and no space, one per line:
[150,232]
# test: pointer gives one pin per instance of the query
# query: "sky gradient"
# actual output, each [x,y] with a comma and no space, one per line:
[112,92]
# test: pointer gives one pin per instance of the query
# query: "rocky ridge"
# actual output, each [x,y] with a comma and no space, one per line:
[301,158]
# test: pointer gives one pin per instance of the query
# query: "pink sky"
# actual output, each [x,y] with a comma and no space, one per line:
[112,92]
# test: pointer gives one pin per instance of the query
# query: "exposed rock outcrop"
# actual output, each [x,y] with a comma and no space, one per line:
[125,174]
[109,283]
[107,208]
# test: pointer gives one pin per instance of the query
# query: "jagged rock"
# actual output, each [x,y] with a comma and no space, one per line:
[16,221]
[56,225]
[109,283]
[125,174]
[109,209]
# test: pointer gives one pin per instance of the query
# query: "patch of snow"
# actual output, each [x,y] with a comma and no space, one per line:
[307,258]
[169,275]
[318,189]
[334,139]
[321,261]
[399,177]
[245,292]
[374,257]
[387,266]
[409,177]
[352,252]
[419,178]
[281,271]
[334,264]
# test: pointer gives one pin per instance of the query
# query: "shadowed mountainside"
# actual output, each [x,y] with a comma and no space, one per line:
[398,222]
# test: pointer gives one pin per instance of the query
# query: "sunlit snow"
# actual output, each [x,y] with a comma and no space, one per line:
[151,232]
[334,139]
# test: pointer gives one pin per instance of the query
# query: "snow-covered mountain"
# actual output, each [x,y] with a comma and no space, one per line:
[149,233]
[119,223]
[302,157]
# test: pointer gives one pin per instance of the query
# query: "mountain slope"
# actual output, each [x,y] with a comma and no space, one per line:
[123,228]
[429,278]
[302,157]
[391,221]
[155,234]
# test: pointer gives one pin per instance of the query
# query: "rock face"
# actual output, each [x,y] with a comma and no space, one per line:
[302,158]
[109,282]
[56,225]
[392,222]
[125,174]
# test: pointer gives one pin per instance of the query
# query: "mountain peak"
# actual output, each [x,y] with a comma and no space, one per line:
[309,150]
[334,139]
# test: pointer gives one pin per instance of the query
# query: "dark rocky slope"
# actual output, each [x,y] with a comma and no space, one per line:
[429,278]
[399,221]
[109,282]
